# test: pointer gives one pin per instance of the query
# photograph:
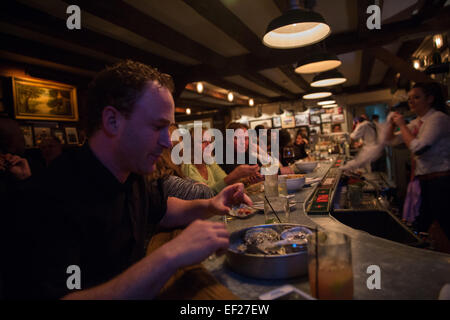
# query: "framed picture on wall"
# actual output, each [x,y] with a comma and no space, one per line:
[287,122]
[276,122]
[337,118]
[59,134]
[325,117]
[28,136]
[301,119]
[41,133]
[71,135]
[315,119]
[267,123]
[36,99]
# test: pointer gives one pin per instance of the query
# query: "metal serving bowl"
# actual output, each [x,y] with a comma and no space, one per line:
[262,266]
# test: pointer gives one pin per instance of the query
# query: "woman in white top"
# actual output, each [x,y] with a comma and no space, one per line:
[428,138]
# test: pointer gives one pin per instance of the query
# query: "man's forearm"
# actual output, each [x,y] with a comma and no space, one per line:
[143,280]
[182,212]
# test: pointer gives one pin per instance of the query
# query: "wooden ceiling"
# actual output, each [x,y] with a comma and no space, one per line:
[219,42]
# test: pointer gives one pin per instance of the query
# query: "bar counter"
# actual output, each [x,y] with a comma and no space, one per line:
[406,272]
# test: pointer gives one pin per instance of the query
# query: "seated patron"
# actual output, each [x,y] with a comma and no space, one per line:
[212,174]
[82,228]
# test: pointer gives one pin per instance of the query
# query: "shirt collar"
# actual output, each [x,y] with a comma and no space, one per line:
[427,115]
[101,174]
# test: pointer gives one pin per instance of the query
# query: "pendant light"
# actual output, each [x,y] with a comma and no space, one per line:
[296,28]
[326,101]
[317,95]
[318,62]
[328,78]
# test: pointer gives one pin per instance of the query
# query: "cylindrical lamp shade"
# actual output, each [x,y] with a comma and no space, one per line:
[318,62]
[328,78]
[317,95]
[296,28]
[325,102]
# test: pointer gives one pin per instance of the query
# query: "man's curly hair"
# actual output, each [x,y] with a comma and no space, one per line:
[120,86]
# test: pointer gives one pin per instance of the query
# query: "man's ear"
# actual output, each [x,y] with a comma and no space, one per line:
[112,119]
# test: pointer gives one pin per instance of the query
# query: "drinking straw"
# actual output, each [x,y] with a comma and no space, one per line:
[272,208]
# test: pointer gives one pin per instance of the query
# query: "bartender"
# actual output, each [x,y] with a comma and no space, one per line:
[428,138]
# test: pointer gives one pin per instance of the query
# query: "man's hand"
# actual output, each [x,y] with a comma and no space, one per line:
[199,240]
[231,195]
[18,166]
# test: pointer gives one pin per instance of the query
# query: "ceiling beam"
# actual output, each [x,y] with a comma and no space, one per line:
[183,102]
[428,8]
[268,84]
[400,65]
[223,18]
[216,95]
[128,17]
[282,5]
[224,84]
[38,21]
[368,59]
[219,15]
[356,88]
[42,51]
[296,78]
[338,44]
[367,63]
[406,50]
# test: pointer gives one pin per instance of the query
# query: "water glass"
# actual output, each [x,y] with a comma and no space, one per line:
[330,266]
[281,207]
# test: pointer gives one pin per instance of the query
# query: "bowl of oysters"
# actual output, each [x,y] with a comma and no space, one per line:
[271,251]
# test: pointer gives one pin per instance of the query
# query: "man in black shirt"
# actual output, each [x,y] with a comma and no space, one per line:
[93,210]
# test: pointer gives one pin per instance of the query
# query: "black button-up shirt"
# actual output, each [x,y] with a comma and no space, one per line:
[78,213]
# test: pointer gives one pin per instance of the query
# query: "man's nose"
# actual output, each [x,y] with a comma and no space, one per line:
[165,140]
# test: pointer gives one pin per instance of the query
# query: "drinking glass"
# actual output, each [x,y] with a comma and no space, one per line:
[330,266]
[282,186]
[281,207]
[271,185]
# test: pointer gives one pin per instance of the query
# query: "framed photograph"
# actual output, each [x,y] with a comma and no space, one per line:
[59,134]
[28,136]
[315,119]
[301,119]
[326,128]
[287,122]
[325,117]
[44,100]
[315,130]
[41,133]
[336,128]
[71,135]
[276,121]
[337,118]
[267,123]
